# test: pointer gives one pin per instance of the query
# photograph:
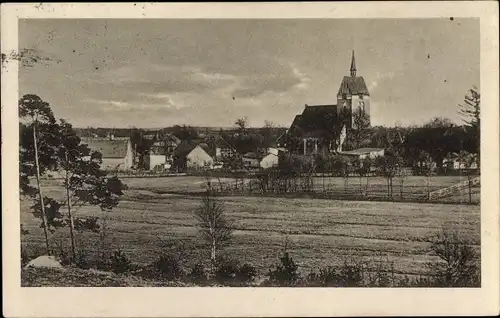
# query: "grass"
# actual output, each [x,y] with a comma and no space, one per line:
[74,277]
[318,232]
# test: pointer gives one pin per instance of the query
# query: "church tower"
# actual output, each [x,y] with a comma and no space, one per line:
[353,95]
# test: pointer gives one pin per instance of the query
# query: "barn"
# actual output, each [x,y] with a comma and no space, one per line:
[116,152]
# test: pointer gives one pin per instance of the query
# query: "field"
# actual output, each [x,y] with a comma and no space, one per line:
[318,232]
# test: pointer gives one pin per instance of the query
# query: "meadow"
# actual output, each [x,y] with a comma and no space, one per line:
[316,232]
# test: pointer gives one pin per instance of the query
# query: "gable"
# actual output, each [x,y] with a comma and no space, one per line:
[353,85]
[198,153]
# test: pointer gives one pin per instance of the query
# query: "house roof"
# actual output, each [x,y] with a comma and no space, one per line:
[353,85]
[116,148]
[171,138]
[221,142]
[316,120]
[252,155]
[185,147]
[361,151]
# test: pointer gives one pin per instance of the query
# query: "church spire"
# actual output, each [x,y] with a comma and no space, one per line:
[353,65]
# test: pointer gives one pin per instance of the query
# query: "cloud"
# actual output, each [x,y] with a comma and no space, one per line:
[381,77]
[110,103]
[287,78]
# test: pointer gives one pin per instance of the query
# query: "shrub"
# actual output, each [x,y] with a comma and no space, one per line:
[286,273]
[246,274]
[351,274]
[225,272]
[326,277]
[419,281]
[24,257]
[119,262]
[198,274]
[378,276]
[230,273]
[82,260]
[169,266]
[458,264]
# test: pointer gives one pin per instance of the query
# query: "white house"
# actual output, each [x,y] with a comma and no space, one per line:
[199,158]
[156,160]
[116,152]
[454,162]
[268,161]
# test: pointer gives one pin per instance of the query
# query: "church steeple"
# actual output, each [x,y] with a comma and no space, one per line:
[353,65]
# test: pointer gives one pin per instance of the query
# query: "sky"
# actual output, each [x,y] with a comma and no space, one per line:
[156,73]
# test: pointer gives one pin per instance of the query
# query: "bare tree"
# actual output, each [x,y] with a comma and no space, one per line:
[465,161]
[427,169]
[241,123]
[213,225]
[402,175]
[471,111]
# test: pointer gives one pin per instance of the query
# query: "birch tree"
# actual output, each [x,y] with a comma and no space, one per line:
[213,224]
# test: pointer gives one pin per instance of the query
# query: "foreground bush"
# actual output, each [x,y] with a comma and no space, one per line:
[168,265]
[285,274]
[230,273]
[349,274]
[458,264]
[119,262]
[198,274]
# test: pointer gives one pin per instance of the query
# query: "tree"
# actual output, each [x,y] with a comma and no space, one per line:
[471,111]
[459,262]
[213,224]
[465,161]
[241,123]
[321,162]
[387,166]
[341,165]
[362,168]
[438,122]
[184,132]
[140,145]
[361,125]
[36,150]
[84,181]
[428,169]
[267,132]
[367,164]
[402,175]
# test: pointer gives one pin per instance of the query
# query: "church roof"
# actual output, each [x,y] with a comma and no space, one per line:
[315,121]
[353,85]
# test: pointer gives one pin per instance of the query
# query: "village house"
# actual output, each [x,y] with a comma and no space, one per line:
[269,161]
[116,152]
[192,155]
[251,160]
[161,152]
[454,162]
[363,153]
[223,150]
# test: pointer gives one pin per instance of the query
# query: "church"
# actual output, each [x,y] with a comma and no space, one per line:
[324,128]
